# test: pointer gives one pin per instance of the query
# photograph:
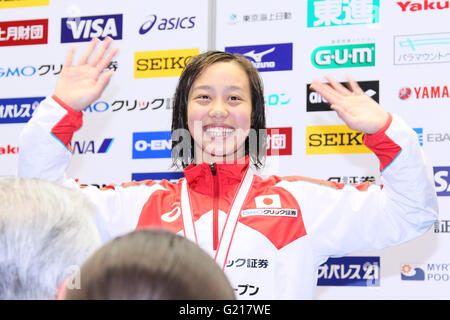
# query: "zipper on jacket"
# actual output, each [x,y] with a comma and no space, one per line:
[215,207]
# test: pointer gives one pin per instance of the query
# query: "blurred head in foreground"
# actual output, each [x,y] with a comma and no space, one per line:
[46,234]
[151,264]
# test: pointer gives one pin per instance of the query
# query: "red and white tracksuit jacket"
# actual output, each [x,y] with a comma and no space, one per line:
[271,236]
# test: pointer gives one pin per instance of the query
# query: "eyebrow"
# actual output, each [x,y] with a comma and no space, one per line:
[209,88]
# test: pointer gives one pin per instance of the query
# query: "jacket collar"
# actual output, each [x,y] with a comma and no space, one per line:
[228,174]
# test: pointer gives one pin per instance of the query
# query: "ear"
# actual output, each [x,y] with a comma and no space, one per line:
[61,294]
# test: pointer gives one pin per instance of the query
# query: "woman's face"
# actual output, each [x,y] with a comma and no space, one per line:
[219,112]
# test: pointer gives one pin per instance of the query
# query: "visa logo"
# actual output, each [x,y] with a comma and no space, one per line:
[84,147]
[442,181]
[156,144]
[81,29]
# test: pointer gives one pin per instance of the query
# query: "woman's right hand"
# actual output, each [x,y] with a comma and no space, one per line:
[80,85]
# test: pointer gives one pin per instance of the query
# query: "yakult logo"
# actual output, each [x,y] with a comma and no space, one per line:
[81,29]
[8,149]
[423,5]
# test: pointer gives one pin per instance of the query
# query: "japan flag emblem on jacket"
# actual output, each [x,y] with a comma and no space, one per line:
[269,201]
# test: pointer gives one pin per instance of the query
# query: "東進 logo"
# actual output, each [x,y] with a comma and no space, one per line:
[340,13]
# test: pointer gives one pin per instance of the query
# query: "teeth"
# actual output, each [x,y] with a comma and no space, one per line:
[217,131]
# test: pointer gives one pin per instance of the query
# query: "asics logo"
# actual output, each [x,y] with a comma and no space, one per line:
[172,215]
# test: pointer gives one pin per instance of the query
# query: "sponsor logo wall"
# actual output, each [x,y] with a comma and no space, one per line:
[397,51]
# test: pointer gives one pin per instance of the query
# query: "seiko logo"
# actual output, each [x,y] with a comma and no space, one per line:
[426,5]
[360,55]
[334,139]
[170,63]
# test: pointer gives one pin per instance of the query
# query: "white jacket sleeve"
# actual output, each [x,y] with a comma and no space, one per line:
[45,153]
[341,219]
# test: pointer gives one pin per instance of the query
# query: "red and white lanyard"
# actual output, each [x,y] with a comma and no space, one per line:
[230,223]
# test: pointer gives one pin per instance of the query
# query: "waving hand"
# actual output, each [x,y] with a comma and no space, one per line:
[81,84]
[357,110]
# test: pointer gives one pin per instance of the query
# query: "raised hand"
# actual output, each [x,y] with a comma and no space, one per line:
[357,110]
[81,84]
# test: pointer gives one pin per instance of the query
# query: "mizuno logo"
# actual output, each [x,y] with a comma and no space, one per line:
[258,56]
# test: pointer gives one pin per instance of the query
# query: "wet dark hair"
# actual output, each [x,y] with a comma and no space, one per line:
[151,264]
[196,65]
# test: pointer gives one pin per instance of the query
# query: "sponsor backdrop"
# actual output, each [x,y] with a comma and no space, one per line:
[398,51]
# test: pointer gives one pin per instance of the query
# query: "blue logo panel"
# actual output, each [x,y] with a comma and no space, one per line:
[79,29]
[442,181]
[267,57]
[18,110]
[156,144]
[171,176]
[350,271]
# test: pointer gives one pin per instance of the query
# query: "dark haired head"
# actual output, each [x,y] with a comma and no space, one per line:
[151,264]
[192,71]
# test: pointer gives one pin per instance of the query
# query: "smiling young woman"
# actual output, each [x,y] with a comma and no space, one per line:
[219,99]
[290,224]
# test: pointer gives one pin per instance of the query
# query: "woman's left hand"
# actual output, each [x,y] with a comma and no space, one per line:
[354,107]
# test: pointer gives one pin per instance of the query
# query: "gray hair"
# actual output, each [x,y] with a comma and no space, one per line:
[46,231]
